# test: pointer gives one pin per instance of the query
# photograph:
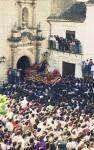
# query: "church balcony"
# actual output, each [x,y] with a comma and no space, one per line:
[66,47]
[66,51]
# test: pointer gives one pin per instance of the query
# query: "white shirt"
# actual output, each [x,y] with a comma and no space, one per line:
[3,146]
[9,126]
[72,145]
[49,120]
[92,68]
[10,115]
[24,103]
[17,138]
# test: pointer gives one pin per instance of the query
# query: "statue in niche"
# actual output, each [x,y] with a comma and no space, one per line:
[25,17]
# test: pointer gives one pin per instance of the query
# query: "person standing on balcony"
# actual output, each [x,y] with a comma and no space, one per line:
[78,46]
[70,46]
[57,44]
[52,42]
[73,46]
[62,44]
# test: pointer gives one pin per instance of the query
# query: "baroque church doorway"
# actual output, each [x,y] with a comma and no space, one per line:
[22,64]
[68,69]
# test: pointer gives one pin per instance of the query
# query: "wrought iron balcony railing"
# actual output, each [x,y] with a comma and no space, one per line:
[65,47]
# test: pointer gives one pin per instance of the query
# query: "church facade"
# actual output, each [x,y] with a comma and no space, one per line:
[72,19]
[21,39]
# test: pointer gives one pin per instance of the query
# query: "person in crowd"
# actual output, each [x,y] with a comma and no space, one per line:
[18,76]
[9,74]
[87,68]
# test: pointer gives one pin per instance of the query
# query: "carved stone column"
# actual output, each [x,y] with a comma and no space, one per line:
[19,14]
[12,55]
[33,14]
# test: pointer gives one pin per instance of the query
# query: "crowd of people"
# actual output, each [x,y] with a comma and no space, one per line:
[15,75]
[48,117]
[71,45]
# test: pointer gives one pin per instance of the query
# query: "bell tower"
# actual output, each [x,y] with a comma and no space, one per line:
[26,13]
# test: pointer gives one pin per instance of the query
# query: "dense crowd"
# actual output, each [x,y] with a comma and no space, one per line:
[65,45]
[49,117]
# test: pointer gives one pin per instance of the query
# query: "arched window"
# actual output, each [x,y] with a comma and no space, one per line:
[25,17]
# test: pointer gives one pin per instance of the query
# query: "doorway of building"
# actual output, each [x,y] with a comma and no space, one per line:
[68,69]
[70,35]
[22,64]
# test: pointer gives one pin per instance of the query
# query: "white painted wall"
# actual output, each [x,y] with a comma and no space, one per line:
[57,58]
[59,28]
[89,48]
[7,20]
[84,33]
[43,10]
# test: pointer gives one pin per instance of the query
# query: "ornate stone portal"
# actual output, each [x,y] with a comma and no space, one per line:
[25,37]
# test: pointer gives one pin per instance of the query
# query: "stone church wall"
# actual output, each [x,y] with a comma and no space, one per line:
[7,19]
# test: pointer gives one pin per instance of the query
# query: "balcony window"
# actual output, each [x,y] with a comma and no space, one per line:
[70,35]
